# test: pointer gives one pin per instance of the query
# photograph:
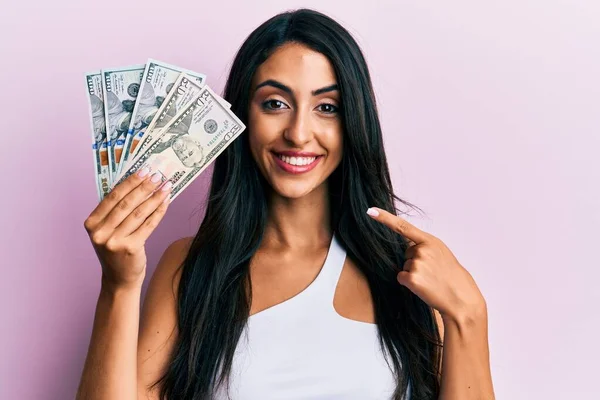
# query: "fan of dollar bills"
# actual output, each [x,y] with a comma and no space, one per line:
[156,115]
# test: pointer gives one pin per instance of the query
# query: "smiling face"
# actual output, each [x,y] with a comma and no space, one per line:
[295,129]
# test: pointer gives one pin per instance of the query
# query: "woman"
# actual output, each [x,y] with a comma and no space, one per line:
[289,290]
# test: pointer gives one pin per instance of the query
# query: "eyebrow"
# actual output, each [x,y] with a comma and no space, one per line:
[287,89]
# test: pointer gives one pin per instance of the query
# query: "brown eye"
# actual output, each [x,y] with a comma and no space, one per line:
[273,105]
[328,108]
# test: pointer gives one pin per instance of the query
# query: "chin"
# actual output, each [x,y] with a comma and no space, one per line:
[293,190]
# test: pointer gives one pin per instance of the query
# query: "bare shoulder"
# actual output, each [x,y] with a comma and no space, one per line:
[173,257]
[177,250]
[168,268]
[158,322]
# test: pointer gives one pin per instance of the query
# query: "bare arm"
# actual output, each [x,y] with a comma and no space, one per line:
[432,272]
[121,363]
[465,361]
[118,229]
[110,367]
[158,328]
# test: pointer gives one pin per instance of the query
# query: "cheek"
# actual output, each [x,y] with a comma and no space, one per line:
[253,130]
[334,143]
[263,129]
[260,132]
[254,146]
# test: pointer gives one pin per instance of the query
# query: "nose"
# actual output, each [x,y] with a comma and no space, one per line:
[299,131]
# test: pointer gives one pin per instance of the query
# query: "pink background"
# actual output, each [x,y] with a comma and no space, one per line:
[491,118]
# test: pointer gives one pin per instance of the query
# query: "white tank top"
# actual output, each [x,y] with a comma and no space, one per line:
[303,349]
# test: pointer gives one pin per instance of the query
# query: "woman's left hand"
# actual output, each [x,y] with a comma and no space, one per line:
[433,273]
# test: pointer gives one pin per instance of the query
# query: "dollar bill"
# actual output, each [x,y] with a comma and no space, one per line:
[98,128]
[190,142]
[179,101]
[186,89]
[158,81]
[120,90]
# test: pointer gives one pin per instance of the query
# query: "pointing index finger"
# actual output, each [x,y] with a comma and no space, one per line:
[398,225]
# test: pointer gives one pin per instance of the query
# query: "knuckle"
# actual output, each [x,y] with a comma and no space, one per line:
[88,224]
[161,209]
[415,265]
[97,238]
[129,249]
[400,226]
[151,223]
[420,265]
[113,244]
[412,279]
[138,213]
[123,204]
[419,251]
[113,196]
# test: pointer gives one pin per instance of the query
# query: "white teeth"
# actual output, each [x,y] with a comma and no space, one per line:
[296,160]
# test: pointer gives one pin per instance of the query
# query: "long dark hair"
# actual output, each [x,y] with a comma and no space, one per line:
[213,300]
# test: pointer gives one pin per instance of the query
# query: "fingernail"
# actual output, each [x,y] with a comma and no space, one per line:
[155,178]
[143,172]
[167,199]
[372,212]
[167,186]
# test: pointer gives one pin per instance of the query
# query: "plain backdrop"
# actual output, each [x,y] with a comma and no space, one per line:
[491,117]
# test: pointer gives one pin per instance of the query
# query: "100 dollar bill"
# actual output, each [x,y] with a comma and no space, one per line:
[120,90]
[158,81]
[98,127]
[190,142]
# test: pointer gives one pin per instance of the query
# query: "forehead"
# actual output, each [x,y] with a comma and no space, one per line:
[298,67]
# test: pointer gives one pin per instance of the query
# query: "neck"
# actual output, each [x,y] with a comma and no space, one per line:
[299,223]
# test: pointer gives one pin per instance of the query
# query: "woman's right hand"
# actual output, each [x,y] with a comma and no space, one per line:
[120,225]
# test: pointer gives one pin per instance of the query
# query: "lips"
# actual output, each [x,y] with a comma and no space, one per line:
[295,162]
[290,153]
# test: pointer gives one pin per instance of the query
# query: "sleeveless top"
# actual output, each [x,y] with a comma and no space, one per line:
[302,349]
